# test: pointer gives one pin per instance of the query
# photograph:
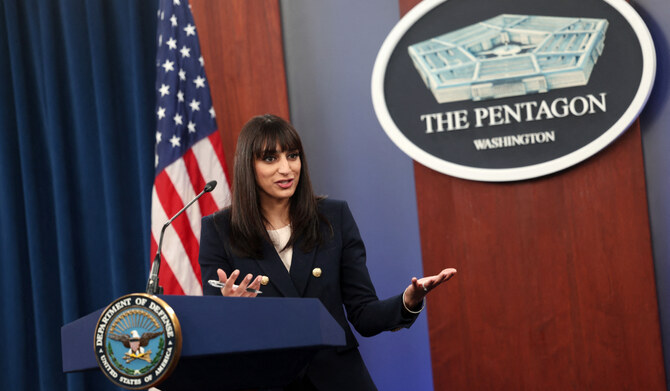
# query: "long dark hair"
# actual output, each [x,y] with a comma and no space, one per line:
[258,136]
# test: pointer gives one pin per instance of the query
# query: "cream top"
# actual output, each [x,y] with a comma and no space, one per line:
[279,239]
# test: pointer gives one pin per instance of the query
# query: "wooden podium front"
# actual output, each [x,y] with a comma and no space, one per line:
[555,287]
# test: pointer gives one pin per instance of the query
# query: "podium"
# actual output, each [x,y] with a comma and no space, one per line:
[241,343]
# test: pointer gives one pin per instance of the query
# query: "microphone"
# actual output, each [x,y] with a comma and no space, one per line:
[152,285]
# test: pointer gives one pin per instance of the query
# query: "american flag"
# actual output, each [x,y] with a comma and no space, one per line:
[188,149]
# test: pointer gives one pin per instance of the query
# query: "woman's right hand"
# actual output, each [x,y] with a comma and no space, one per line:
[240,290]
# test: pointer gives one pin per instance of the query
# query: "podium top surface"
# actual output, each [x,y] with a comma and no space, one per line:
[214,325]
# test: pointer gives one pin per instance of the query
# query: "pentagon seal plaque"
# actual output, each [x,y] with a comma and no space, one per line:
[511,90]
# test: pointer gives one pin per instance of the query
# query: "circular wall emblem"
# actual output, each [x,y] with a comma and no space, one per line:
[137,341]
[508,90]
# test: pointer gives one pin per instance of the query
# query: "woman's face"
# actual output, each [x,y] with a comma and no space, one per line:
[277,174]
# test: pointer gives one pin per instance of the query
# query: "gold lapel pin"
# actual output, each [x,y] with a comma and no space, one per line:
[316,272]
[265,280]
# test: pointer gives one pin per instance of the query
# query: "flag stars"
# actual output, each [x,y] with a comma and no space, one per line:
[195,105]
[189,29]
[168,66]
[180,118]
[199,82]
[164,90]
[177,120]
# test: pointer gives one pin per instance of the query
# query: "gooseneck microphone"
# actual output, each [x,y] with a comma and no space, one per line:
[152,285]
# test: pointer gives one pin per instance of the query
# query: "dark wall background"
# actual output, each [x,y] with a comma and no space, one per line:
[655,126]
[330,49]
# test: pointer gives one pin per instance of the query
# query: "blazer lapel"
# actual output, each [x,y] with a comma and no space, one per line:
[301,267]
[274,268]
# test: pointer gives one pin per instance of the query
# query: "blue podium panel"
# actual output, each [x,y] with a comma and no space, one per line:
[239,342]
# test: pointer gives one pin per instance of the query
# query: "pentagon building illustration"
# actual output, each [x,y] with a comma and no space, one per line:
[510,55]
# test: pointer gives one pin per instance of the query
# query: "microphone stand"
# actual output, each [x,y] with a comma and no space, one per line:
[153,287]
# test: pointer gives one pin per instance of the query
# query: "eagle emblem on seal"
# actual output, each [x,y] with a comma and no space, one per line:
[136,344]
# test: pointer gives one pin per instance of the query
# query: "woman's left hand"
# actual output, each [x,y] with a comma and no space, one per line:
[241,290]
[419,288]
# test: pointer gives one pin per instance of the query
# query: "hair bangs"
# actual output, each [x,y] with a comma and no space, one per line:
[274,137]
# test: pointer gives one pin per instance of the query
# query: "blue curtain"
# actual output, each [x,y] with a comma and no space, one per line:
[77,127]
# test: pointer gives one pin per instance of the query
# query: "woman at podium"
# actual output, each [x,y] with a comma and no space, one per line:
[279,237]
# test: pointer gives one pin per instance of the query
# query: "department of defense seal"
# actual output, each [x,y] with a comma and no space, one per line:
[137,341]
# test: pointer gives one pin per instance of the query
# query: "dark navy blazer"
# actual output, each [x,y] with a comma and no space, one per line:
[344,283]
